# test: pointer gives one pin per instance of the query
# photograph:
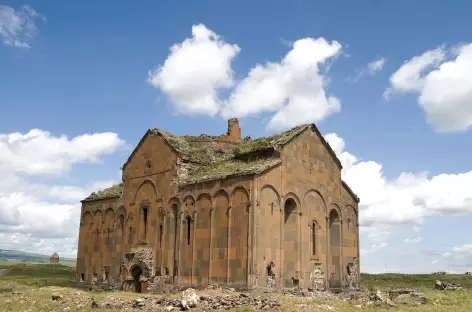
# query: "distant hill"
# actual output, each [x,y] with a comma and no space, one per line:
[21,256]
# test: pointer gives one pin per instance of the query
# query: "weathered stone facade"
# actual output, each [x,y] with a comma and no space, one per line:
[270,213]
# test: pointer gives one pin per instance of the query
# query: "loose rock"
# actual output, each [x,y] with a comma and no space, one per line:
[447,286]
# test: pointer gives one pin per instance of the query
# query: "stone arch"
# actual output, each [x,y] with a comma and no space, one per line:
[121,211]
[119,244]
[108,222]
[221,192]
[144,182]
[291,240]
[171,232]
[219,241]
[268,233]
[87,209]
[109,218]
[202,232]
[186,248]
[335,246]
[313,235]
[135,269]
[86,219]
[204,195]
[317,193]
[189,202]
[238,237]
[294,197]
[238,188]
[269,186]
[174,201]
[335,207]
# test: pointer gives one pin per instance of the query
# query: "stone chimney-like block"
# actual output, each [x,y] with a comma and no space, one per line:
[234,131]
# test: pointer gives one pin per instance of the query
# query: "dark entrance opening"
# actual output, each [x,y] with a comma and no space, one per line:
[136,273]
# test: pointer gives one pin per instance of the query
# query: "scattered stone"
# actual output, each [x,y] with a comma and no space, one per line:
[326,307]
[392,298]
[3,272]
[57,297]
[447,286]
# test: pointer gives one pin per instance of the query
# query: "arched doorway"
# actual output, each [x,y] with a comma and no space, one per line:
[136,273]
[290,244]
[334,249]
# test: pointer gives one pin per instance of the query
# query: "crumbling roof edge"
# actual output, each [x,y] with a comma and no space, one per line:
[346,186]
[102,198]
[222,177]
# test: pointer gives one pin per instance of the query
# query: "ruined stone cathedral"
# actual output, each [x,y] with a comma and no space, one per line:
[270,213]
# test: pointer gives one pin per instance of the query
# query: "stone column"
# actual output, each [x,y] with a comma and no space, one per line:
[342,275]
[177,243]
[328,253]
[211,243]
[299,247]
[194,222]
[280,281]
[228,242]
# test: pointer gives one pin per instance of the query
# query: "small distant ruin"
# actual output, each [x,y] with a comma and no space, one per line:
[270,213]
[54,259]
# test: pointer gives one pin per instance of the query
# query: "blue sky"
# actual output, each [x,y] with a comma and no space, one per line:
[87,67]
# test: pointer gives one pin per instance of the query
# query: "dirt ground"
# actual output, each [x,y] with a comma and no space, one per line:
[47,288]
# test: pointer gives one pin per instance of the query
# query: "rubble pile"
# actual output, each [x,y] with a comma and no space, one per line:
[447,286]
[391,298]
[189,299]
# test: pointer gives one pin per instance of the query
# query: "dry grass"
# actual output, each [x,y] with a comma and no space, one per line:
[28,287]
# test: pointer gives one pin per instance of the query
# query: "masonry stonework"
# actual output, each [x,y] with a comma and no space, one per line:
[270,213]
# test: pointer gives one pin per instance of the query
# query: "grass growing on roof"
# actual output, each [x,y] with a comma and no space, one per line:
[232,166]
[112,191]
[275,141]
[201,155]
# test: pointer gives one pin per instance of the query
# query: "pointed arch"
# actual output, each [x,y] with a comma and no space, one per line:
[202,230]
[238,188]
[318,193]
[335,207]
[268,186]
[219,242]
[221,192]
[144,182]
[189,202]
[293,196]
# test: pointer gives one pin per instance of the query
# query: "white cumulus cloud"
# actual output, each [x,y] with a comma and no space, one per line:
[293,90]
[443,81]
[409,198]
[39,217]
[38,152]
[195,70]
[18,27]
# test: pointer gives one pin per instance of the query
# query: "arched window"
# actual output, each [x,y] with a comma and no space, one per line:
[313,238]
[189,220]
[161,232]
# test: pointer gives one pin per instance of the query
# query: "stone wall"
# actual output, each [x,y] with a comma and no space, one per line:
[301,222]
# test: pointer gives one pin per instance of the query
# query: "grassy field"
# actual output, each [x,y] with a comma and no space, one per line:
[29,287]
[14,257]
